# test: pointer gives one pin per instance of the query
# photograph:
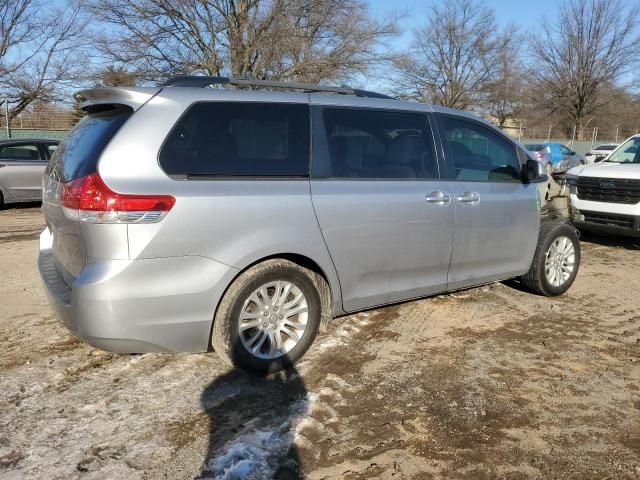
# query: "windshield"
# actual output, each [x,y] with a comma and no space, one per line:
[629,152]
[606,147]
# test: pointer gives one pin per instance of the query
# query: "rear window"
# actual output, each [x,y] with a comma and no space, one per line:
[535,147]
[51,147]
[77,155]
[239,139]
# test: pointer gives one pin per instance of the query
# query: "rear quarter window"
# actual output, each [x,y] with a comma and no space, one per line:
[239,139]
[77,155]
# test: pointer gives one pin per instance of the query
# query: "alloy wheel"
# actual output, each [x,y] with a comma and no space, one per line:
[560,261]
[273,319]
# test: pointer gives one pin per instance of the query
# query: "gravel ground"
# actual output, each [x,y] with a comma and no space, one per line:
[492,382]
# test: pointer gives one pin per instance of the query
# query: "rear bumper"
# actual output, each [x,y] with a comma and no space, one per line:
[135,306]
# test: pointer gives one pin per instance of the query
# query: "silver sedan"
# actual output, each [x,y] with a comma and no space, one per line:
[22,164]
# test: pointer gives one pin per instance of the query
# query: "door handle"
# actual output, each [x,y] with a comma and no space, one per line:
[438,197]
[472,198]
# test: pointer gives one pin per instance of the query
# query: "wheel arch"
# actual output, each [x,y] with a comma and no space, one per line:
[330,295]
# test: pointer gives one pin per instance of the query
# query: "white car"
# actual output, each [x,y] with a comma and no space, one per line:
[606,195]
[600,152]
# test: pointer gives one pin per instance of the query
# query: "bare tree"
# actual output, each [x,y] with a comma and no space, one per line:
[590,47]
[453,55]
[17,26]
[112,76]
[324,40]
[308,40]
[503,93]
[40,51]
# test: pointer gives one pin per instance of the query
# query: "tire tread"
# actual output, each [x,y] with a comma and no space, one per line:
[221,331]
[533,279]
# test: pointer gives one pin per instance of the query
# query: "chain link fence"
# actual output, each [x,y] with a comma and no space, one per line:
[51,134]
[50,121]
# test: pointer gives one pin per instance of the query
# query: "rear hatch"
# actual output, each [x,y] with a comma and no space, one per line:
[76,157]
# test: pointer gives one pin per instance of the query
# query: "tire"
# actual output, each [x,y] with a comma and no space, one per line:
[245,297]
[537,279]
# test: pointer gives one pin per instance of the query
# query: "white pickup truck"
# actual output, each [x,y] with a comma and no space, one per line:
[605,196]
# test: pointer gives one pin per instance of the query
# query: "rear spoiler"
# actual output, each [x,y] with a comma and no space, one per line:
[130,96]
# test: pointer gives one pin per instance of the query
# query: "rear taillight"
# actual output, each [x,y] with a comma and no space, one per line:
[88,199]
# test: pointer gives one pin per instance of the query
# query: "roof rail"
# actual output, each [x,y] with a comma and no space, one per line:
[203,81]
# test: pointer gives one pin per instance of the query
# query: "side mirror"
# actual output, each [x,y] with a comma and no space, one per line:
[534,171]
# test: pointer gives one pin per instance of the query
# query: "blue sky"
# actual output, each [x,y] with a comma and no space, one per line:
[524,13]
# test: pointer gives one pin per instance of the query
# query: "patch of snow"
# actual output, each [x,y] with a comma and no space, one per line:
[256,454]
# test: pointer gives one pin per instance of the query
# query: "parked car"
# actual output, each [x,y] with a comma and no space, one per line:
[600,152]
[563,158]
[181,218]
[22,163]
[606,196]
[541,152]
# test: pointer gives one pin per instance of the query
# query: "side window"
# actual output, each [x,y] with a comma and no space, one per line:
[377,144]
[51,147]
[478,154]
[239,139]
[565,150]
[24,152]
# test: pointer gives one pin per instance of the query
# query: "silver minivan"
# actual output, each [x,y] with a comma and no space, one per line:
[183,218]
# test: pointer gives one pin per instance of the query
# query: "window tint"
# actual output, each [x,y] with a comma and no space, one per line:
[478,154]
[378,144]
[20,152]
[245,139]
[77,155]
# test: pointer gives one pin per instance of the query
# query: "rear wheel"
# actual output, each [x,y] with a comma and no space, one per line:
[556,261]
[268,318]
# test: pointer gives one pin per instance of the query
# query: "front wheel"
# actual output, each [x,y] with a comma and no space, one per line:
[268,318]
[556,261]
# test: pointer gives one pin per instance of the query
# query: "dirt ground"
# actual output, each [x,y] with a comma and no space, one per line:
[492,382]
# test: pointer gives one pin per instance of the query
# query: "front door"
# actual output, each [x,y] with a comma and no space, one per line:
[386,216]
[21,170]
[496,214]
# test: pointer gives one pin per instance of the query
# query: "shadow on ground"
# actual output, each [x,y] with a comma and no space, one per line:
[20,206]
[628,243]
[251,421]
